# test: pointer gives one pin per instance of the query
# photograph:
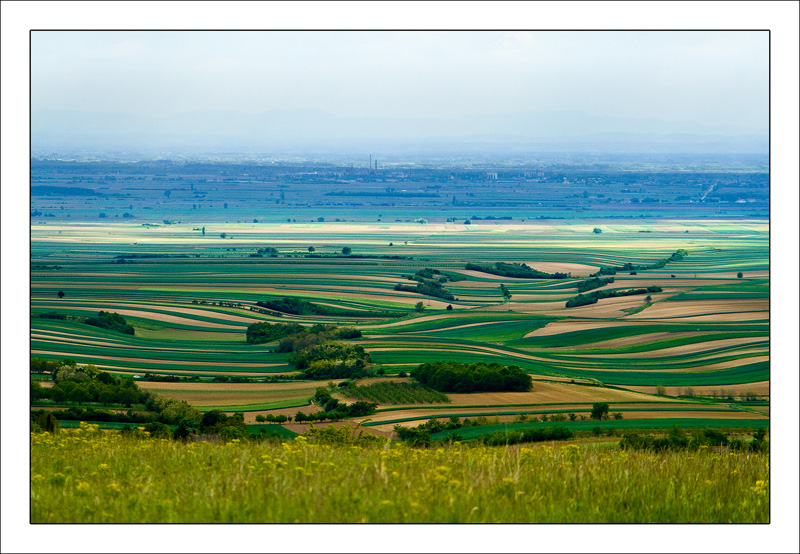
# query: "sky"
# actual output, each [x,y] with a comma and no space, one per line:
[712,78]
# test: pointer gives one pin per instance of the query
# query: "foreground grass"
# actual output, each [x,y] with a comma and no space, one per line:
[85,475]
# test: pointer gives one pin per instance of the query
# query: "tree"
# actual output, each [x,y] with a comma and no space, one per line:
[449,308]
[597,230]
[419,306]
[261,418]
[204,231]
[505,292]
[347,250]
[740,275]
[320,219]
[599,410]
[167,193]
[648,298]
[60,294]
[661,390]
[223,235]
[311,249]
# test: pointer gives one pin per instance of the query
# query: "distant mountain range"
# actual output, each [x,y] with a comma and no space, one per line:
[289,130]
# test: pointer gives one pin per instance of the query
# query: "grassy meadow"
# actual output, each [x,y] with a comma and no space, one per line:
[85,475]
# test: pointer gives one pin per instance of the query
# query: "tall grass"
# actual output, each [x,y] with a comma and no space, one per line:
[86,475]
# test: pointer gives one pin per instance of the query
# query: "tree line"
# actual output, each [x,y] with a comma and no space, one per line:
[678,439]
[514,270]
[297,306]
[593,297]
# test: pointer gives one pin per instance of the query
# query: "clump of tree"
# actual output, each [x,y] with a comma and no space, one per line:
[462,378]
[112,321]
[87,385]
[421,434]
[678,439]
[331,360]
[593,297]
[268,251]
[333,409]
[505,292]
[514,270]
[259,333]
[317,334]
[430,283]
[499,438]
[429,288]
[216,422]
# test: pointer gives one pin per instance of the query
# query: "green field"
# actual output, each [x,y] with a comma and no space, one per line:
[92,477]
[190,299]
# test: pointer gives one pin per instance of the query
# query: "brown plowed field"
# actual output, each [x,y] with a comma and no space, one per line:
[760,388]
[687,308]
[548,392]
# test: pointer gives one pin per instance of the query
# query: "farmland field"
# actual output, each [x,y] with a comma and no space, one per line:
[701,337]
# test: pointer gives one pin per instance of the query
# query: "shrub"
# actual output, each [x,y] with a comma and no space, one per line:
[112,321]
[599,410]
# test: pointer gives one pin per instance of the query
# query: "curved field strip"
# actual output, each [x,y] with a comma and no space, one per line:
[550,392]
[235,387]
[560,267]
[732,317]
[234,400]
[128,346]
[730,363]
[215,314]
[698,354]
[156,316]
[696,344]
[496,331]
[183,373]
[701,307]
[572,333]
[158,362]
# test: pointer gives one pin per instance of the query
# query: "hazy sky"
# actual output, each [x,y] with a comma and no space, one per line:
[715,78]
